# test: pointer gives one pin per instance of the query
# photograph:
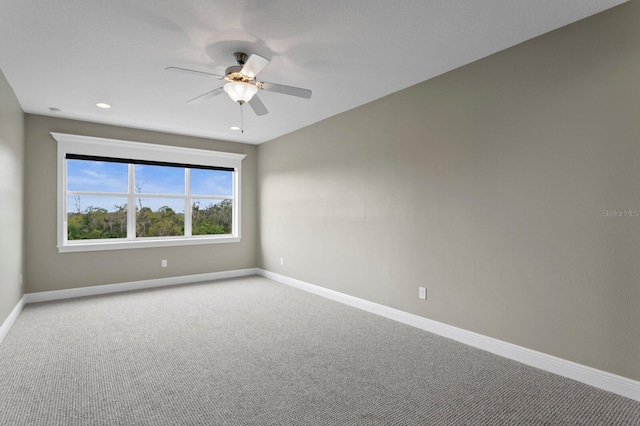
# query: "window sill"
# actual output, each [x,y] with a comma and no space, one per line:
[138,244]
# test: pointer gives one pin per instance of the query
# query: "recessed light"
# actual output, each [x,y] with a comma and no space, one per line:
[103,105]
[234,128]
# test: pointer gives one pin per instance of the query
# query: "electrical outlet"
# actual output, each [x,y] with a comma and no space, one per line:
[282,261]
[422,293]
[164,263]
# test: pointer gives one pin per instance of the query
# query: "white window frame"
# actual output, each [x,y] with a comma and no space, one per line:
[101,147]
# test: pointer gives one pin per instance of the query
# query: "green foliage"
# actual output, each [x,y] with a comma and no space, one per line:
[213,219]
[99,223]
[162,223]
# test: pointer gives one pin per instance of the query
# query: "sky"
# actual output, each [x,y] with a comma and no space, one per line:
[107,177]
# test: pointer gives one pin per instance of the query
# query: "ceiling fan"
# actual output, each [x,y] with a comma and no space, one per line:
[241,84]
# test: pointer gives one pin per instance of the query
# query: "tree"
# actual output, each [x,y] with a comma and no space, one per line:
[163,223]
[139,191]
[97,223]
[216,218]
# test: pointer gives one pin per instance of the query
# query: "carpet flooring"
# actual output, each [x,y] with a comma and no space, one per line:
[251,351]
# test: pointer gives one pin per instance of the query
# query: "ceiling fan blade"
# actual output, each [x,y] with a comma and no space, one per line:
[206,96]
[257,106]
[287,90]
[203,73]
[254,65]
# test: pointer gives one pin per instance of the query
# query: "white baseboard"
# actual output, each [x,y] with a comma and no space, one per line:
[46,296]
[597,378]
[6,325]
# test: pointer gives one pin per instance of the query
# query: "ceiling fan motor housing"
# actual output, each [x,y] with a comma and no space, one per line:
[233,73]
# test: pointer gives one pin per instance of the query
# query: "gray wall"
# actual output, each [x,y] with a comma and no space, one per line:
[11,199]
[46,269]
[487,186]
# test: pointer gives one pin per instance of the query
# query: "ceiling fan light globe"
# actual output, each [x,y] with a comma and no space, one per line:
[240,92]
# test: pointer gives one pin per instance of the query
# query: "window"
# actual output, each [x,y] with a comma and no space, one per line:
[117,194]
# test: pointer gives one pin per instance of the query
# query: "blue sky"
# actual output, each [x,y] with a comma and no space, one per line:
[98,176]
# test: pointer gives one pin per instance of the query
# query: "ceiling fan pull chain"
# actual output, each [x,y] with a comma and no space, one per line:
[241,119]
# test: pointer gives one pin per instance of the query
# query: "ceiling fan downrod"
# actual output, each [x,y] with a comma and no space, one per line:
[241,58]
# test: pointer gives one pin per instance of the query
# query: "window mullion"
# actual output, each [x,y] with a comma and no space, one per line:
[100,194]
[187,202]
[131,208]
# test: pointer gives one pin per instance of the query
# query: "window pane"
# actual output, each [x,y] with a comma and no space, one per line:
[158,179]
[159,217]
[96,176]
[96,217]
[211,217]
[211,182]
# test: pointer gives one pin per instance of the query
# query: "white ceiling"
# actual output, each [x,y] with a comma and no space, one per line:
[70,54]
